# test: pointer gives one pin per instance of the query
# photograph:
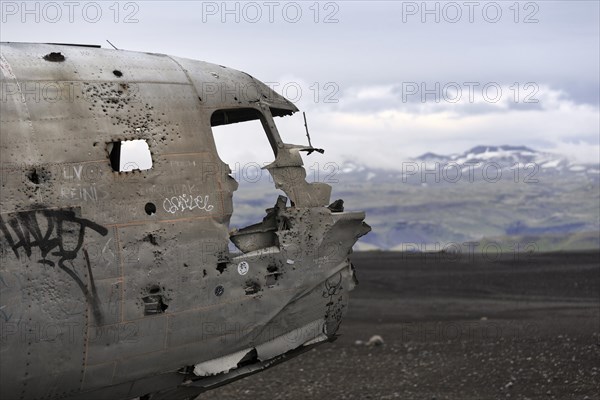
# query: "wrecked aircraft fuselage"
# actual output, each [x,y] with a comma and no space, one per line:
[117,281]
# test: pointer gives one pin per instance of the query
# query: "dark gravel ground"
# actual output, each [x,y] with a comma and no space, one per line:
[525,328]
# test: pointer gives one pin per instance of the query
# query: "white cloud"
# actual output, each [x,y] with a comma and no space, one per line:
[577,151]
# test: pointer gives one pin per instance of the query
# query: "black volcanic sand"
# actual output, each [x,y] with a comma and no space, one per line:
[468,328]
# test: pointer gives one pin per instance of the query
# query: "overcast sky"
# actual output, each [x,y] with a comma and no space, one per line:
[494,73]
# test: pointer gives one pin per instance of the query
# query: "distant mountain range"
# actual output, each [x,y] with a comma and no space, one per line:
[517,162]
[488,194]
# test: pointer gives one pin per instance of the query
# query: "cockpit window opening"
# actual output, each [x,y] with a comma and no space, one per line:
[236,115]
[245,142]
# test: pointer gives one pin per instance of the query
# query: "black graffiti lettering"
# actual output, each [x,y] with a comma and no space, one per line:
[58,233]
[62,228]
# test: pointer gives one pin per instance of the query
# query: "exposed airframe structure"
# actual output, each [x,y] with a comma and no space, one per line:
[119,284]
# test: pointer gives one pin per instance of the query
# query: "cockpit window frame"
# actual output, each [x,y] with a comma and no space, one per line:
[227,116]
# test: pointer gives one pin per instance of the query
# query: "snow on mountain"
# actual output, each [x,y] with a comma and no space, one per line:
[510,159]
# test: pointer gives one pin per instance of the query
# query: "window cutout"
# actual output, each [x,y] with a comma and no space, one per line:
[243,143]
[130,155]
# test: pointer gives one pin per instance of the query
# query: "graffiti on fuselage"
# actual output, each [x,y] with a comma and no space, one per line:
[59,235]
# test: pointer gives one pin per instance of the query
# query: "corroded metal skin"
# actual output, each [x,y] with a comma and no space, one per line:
[120,284]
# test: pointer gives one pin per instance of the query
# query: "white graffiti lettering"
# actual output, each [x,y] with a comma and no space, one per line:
[185,202]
